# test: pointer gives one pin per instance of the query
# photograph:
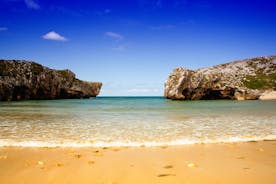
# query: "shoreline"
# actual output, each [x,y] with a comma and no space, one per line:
[92,144]
[237,162]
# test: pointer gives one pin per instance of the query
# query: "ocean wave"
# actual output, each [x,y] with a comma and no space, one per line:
[11,143]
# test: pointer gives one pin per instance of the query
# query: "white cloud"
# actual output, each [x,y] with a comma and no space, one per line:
[32,4]
[114,35]
[54,36]
[3,28]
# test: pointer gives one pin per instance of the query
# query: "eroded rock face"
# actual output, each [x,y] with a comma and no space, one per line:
[23,80]
[242,80]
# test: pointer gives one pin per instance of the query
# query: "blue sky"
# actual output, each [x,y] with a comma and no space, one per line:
[132,46]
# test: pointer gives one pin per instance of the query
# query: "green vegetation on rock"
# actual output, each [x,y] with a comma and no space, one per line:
[63,73]
[244,79]
[36,68]
[260,81]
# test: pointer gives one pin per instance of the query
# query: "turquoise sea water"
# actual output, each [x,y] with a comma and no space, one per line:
[134,121]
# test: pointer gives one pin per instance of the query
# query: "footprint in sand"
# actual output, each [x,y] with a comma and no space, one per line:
[78,156]
[91,162]
[168,166]
[164,175]
[241,157]
[98,153]
[59,164]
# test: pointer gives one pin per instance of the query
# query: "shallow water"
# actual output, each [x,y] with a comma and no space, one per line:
[134,121]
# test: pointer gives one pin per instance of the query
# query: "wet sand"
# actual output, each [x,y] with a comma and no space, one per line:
[251,162]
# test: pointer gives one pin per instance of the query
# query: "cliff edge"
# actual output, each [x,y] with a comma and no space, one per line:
[24,80]
[247,79]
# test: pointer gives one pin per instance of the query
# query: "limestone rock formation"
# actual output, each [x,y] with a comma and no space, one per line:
[268,95]
[241,80]
[23,80]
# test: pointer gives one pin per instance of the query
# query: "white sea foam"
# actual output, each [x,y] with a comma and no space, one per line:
[6,143]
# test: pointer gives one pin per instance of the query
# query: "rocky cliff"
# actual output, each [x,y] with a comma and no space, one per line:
[23,80]
[247,79]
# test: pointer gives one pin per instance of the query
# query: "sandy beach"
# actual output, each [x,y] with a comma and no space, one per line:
[137,92]
[248,162]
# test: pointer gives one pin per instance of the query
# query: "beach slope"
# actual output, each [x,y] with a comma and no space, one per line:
[227,163]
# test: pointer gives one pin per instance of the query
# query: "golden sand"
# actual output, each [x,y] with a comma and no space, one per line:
[251,162]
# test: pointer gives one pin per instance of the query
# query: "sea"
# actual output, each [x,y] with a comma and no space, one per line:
[134,121]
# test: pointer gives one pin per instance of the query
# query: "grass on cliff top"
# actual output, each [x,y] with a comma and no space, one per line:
[261,81]
[36,68]
[63,73]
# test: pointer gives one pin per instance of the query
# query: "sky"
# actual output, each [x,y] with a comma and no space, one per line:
[132,46]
